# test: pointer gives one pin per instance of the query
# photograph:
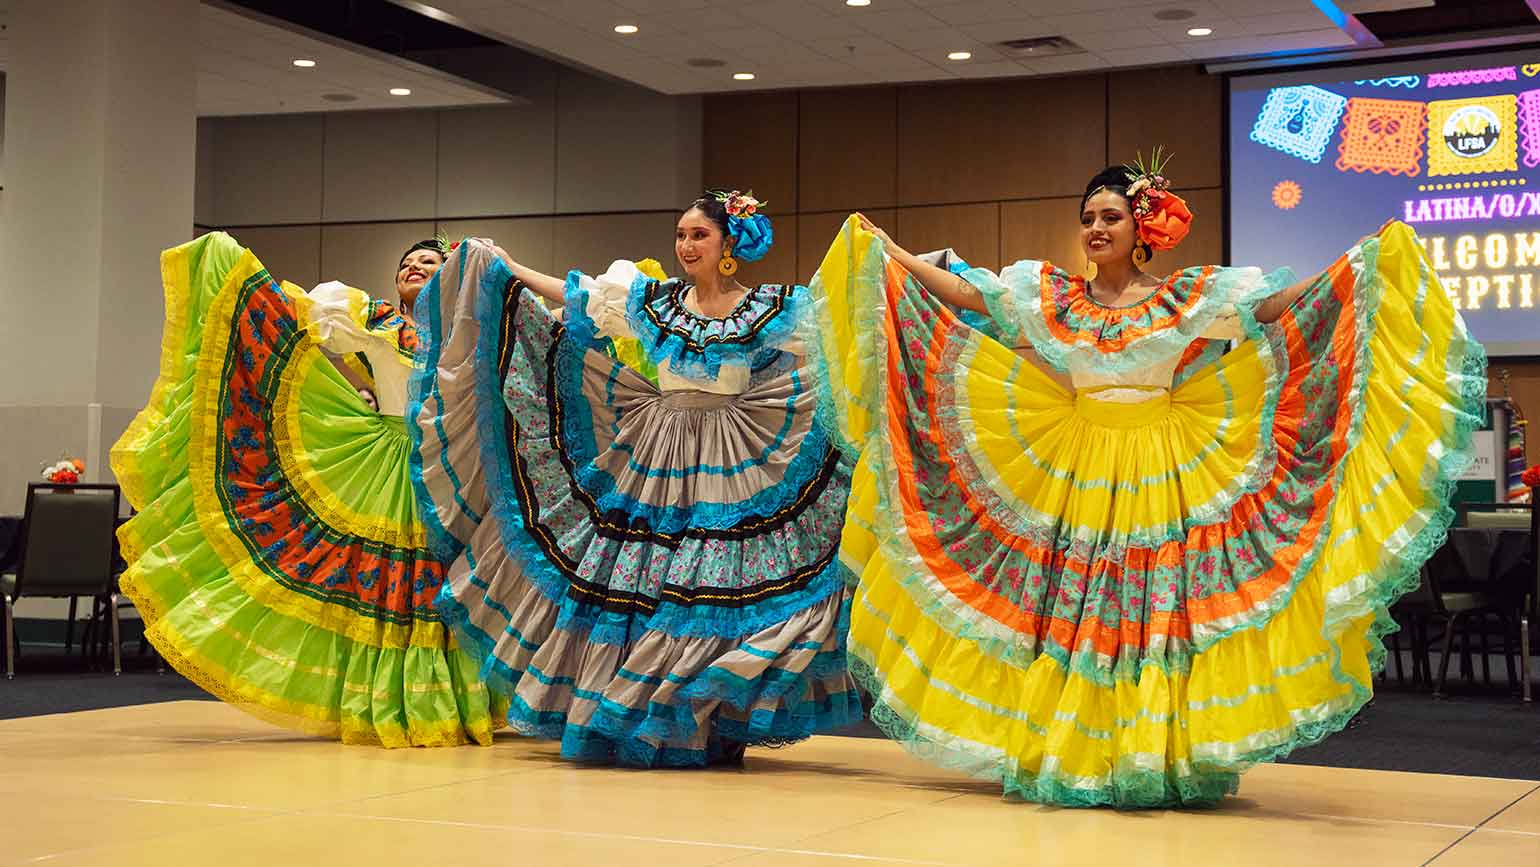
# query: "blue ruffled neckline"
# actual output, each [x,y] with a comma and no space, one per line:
[750,336]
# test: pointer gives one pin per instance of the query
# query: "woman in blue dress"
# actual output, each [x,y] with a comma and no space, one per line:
[650,571]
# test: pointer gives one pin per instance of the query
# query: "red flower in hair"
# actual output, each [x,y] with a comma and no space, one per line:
[1166,221]
[740,204]
[1162,216]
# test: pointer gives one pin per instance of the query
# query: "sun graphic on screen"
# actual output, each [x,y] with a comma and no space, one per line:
[1286,195]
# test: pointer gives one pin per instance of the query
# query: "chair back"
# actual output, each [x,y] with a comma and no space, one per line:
[1533,601]
[1513,565]
[67,540]
[1505,519]
[1446,571]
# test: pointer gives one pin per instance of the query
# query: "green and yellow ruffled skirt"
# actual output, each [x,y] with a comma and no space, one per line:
[277,556]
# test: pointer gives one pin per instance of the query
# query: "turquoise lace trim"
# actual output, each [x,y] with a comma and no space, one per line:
[422,390]
[1396,575]
[637,737]
[751,336]
[1015,302]
[868,350]
[552,582]
[806,464]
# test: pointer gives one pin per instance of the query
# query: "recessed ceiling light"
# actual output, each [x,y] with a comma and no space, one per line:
[1200,31]
[626,29]
[400,91]
[304,64]
[960,55]
[743,76]
[858,2]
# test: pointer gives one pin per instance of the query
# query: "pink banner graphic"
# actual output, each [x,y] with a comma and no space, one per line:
[1473,76]
[1529,126]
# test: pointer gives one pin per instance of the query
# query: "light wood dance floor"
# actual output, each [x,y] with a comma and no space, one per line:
[200,783]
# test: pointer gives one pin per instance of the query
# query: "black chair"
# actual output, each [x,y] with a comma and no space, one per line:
[1464,598]
[1516,564]
[1515,576]
[1413,612]
[1526,579]
[66,551]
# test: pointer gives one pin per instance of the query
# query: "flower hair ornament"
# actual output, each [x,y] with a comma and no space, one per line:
[1161,215]
[750,230]
[438,244]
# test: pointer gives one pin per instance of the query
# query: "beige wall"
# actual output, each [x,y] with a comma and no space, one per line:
[99,152]
[586,172]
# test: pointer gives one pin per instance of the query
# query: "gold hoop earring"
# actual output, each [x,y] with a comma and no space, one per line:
[1141,256]
[1090,270]
[728,266]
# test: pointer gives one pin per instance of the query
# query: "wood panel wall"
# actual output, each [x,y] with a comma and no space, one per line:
[993,169]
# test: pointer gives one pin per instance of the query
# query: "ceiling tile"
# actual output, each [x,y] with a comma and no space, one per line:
[1085,62]
[847,48]
[245,68]
[1204,49]
[825,43]
[977,11]
[1113,40]
[1001,31]
[936,40]
[904,21]
[1282,22]
[996,69]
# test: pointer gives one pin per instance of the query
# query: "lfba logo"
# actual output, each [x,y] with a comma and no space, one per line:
[1471,131]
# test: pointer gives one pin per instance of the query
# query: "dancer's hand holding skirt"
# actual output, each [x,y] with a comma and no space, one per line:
[277,555]
[1130,603]
[649,570]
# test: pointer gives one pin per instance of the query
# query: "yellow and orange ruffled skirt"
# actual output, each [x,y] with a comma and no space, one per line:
[1130,604]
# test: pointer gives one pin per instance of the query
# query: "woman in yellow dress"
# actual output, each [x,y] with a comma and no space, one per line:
[1107,558]
[277,555]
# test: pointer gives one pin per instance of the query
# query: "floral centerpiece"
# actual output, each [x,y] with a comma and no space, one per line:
[66,472]
[1531,476]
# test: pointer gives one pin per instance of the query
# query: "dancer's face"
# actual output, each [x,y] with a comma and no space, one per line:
[416,270]
[1107,230]
[699,245]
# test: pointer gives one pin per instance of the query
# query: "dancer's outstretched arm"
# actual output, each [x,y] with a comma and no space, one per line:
[552,289]
[950,288]
[954,290]
[1276,305]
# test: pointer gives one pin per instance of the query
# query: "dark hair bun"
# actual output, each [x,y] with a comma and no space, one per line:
[1114,178]
[433,244]
[714,208]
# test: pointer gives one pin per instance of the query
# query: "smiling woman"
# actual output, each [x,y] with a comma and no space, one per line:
[277,554]
[1107,556]
[650,574]
[382,385]
[418,265]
